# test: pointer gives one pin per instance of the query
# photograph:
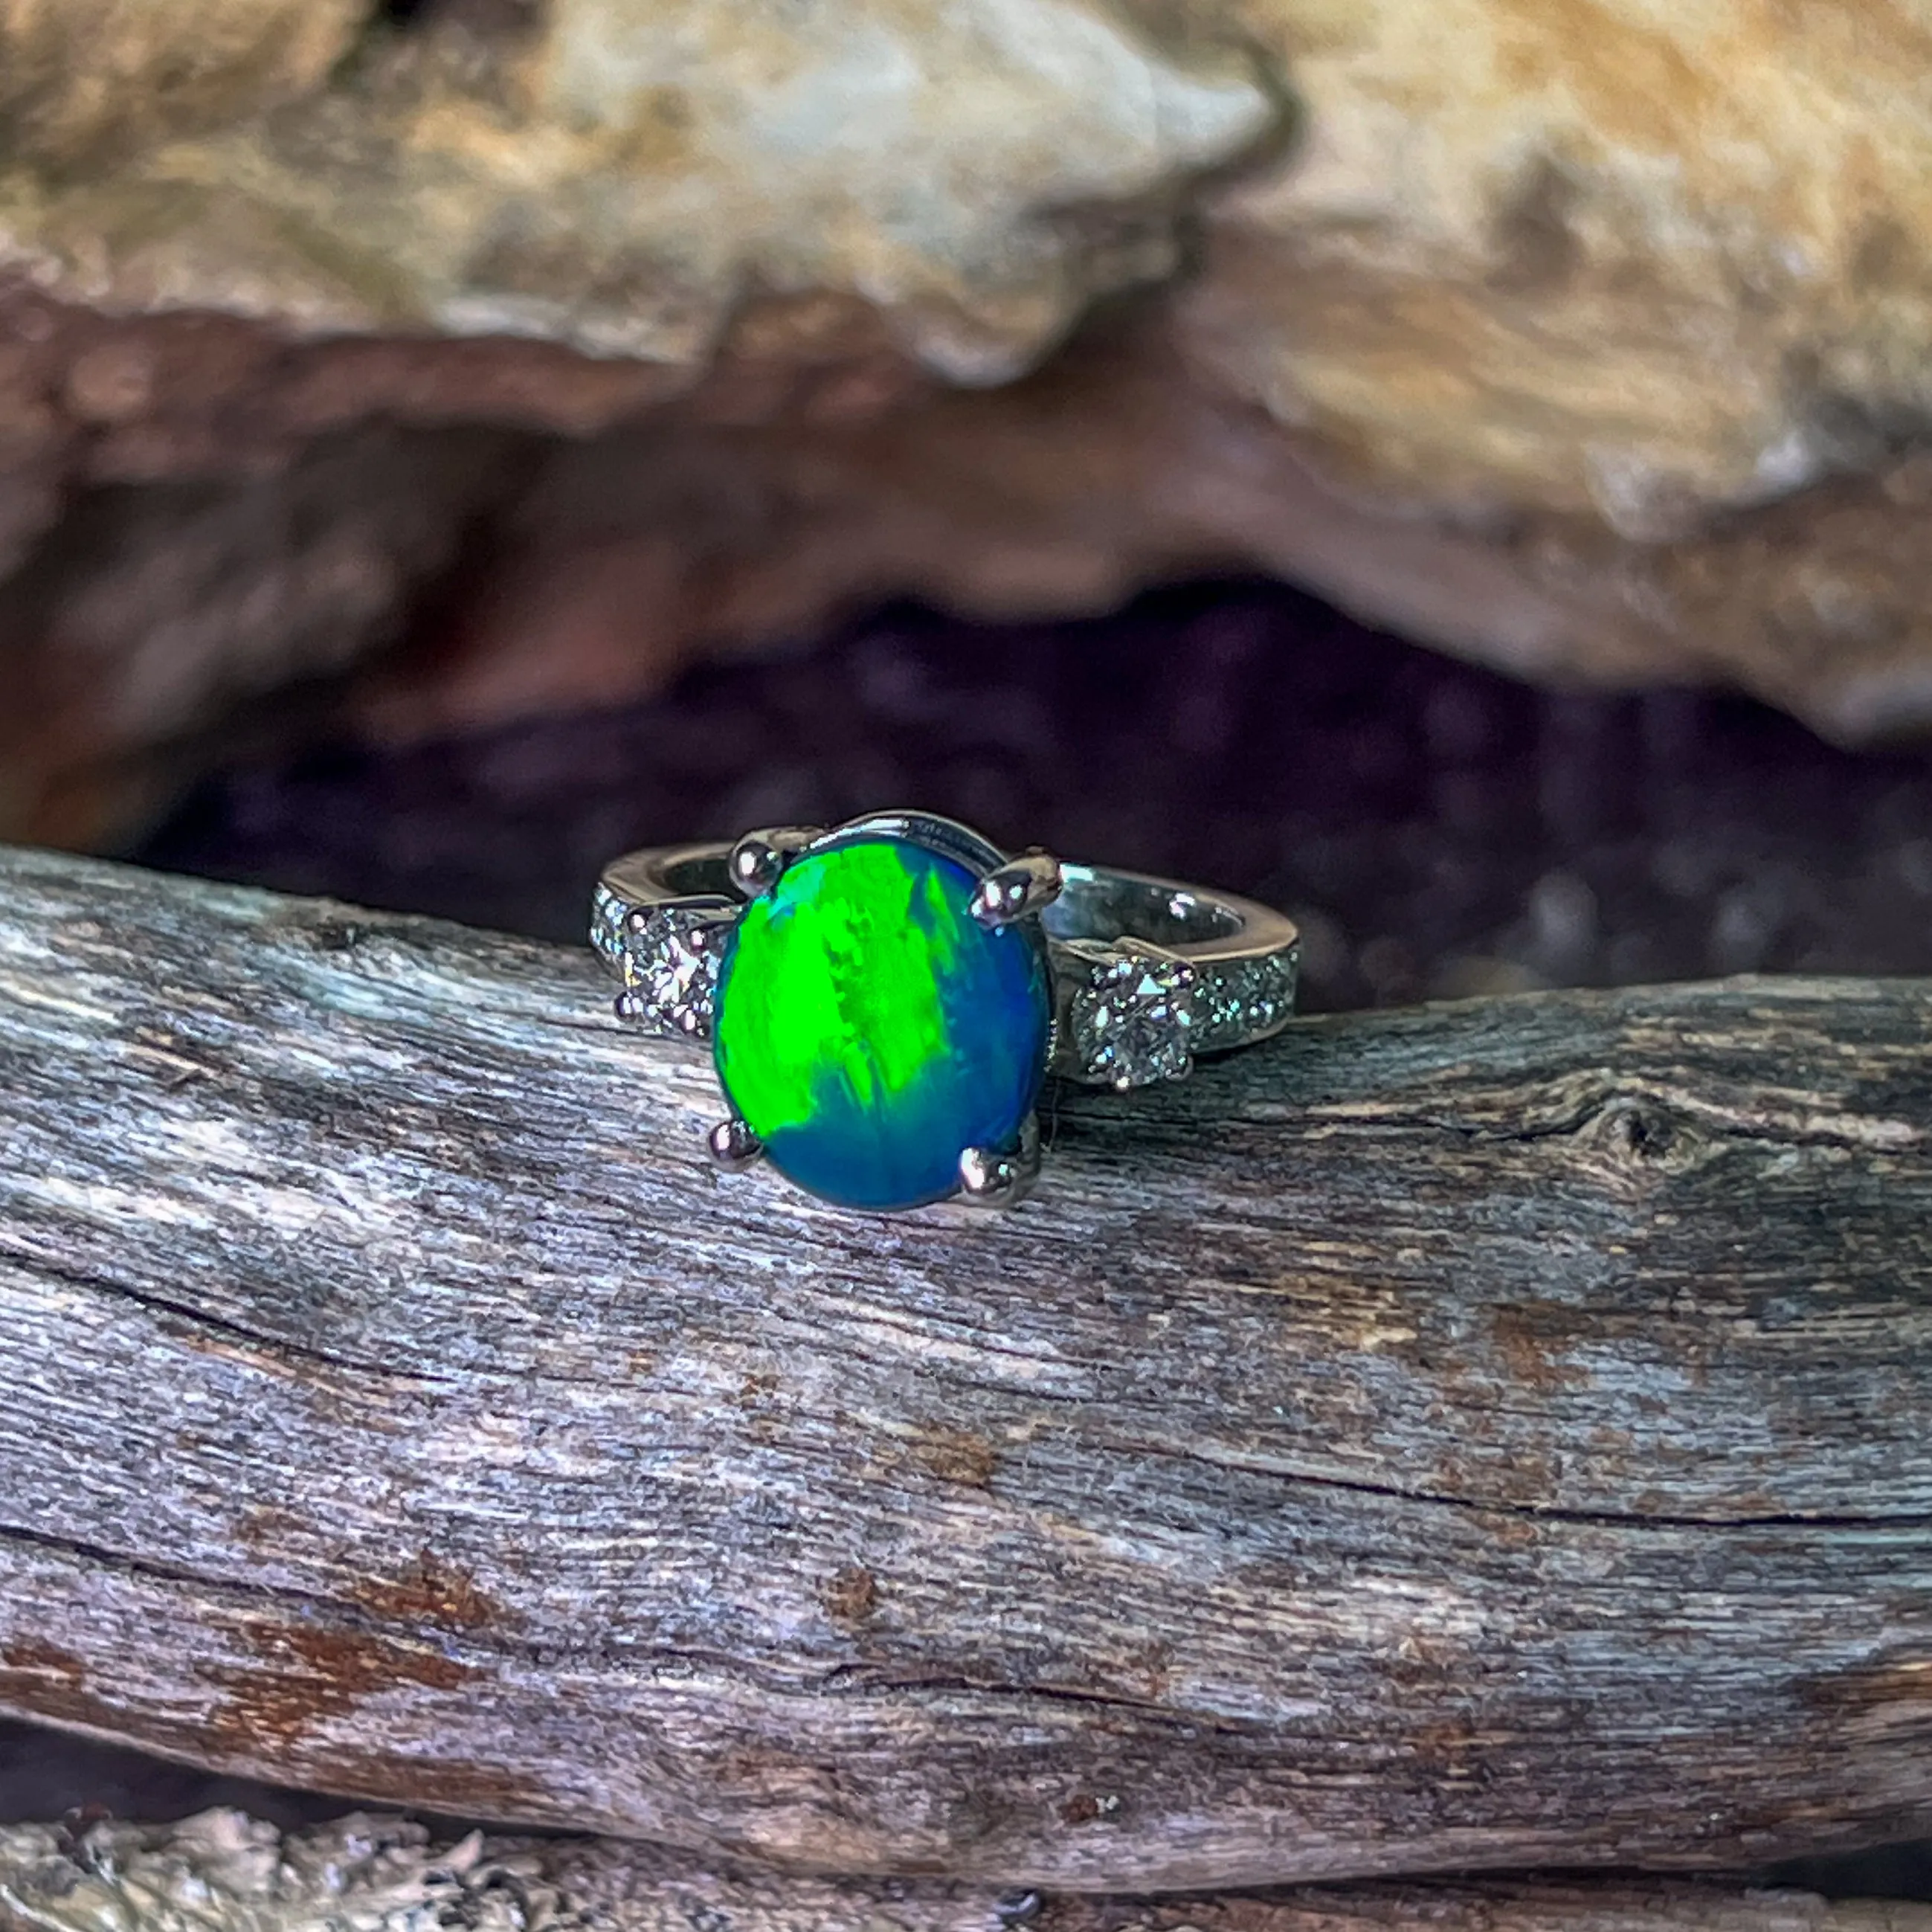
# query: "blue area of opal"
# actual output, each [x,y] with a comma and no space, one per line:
[869,1029]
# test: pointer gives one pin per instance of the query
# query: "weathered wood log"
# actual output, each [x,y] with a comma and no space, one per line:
[224,1872]
[1490,1434]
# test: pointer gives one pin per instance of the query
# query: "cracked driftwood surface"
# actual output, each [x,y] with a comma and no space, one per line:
[223,1872]
[1495,1433]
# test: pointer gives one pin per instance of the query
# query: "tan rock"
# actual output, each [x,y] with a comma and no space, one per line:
[1594,255]
[87,82]
[1587,337]
[619,174]
[1622,290]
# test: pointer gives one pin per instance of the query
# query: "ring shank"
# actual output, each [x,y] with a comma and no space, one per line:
[661,874]
[1098,903]
[1244,957]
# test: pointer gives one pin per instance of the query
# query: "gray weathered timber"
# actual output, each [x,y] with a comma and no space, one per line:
[225,1872]
[1490,1434]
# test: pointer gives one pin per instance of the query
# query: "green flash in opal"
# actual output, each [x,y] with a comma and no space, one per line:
[869,1029]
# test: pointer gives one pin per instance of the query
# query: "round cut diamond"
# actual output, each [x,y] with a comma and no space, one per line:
[670,960]
[1132,1019]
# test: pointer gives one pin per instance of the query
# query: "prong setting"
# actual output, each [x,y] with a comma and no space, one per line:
[991,1178]
[733,1145]
[670,956]
[1110,978]
[1026,884]
[759,859]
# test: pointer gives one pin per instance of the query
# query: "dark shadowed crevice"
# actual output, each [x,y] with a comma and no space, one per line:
[491,17]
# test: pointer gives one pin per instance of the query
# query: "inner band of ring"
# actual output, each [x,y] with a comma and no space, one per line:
[1244,956]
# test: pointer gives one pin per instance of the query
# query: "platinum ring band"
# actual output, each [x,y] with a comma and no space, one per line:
[1214,969]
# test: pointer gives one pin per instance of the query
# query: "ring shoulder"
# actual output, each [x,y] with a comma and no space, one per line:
[1149,974]
[1123,1013]
[1132,1013]
[666,945]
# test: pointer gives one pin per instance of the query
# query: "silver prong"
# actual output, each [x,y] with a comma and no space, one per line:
[629,1007]
[759,859]
[638,921]
[1021,886]
[733,1146]
[988,1178]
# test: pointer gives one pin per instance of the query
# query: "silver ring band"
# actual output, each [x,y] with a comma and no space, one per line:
[1198,971]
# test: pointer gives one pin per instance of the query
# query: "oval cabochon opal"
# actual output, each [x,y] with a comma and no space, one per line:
[869,1029]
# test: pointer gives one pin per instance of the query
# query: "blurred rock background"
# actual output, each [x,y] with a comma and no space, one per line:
[1437,830]
[1459,469]
[433,364]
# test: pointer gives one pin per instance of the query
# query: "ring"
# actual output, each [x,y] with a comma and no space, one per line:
[883,1000]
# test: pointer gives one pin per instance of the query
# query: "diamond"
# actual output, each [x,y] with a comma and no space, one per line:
[1223,1005]
[607,914]
[1243,1000]
[670,956]
[1130,1020]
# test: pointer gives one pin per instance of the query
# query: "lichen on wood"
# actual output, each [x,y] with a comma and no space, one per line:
[224,1872]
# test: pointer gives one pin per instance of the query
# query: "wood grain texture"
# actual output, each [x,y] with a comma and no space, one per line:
[225,1872]
[1485,1435]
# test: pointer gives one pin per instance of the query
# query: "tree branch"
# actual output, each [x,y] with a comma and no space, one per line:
[1490,1434]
